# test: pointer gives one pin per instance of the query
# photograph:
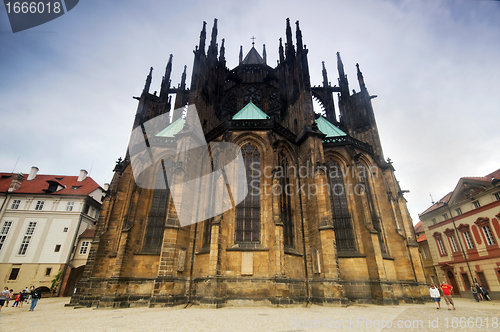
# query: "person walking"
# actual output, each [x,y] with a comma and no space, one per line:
[3,296]
[23,297]
[16,301]
[11,295]
[474,293]
[436,296]
[35,296]
[486,295]
[447,295]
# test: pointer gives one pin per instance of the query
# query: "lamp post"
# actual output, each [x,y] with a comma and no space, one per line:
[460,242]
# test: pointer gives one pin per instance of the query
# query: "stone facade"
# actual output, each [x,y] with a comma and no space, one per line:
[311,243]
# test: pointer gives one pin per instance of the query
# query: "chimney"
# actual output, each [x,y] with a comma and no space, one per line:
[106,187]
[82,176]
[33,172]
[16,182]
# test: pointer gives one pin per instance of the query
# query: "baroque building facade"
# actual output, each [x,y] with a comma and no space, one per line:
[340,232]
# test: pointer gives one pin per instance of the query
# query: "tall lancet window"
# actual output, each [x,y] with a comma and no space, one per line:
[363,179]
[158,212]
[285,201]
[248,211]
[344,234]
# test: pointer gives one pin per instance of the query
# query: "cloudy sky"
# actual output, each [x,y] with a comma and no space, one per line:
[66,86]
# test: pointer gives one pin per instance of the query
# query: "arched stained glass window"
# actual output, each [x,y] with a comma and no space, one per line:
[363,179]
[158,212]
[344,234]
[248,211]
[286,201]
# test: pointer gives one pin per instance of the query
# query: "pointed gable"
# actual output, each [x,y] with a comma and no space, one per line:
[253,58]
[328,128]
[250,112]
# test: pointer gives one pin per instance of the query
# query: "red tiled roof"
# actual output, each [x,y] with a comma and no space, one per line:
[419,227]
[438,204]
[487,178]
[89,233]
[39,184]
[422,238]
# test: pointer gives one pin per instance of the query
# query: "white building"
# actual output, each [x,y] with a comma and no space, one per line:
[43,224]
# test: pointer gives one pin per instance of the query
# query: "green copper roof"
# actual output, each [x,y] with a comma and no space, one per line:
[329,129]
[173,128]
[250,112]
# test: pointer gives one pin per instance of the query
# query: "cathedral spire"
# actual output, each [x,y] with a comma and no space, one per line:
[298,35]
[325,75]
[241,54]
[290,51]
[361,80]
[264,53]
[281,52]
[183,79]
[148,81]
[165,84]
[222,54]
[343,83]
[203,37]
[212,49]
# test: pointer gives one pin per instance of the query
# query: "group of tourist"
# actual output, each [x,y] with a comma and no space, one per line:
[30,296]
[436,295]
[480,293]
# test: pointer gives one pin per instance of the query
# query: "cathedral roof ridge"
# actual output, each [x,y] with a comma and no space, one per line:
[250,112]
[253,57]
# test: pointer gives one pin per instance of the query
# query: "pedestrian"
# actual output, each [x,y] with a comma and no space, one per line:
[474,293]
[485,293]
[3,296]
[11,295]
[35,296]
[23,297]
[16,301]
[479,293]
[436,296]
[447,295]
[29,294]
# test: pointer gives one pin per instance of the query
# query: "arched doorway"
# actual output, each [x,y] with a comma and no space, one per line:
[453,283]
[73,279]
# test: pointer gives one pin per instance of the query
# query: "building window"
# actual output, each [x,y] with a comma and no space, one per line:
[445,216]
[57,248]
[465,277]
[84,248]
[47,271]
[65,230]
[488,235]
[27,238]
[248,211]
[442,250]
[3,233]
[476,204]
[15,204]
[458,211]
[285,202]
[344,233]
[39,205]
[468,240]
[69,206]
[426,253]
[363,175]
[157,213]
[482,280]
[497,196]
[86,208]
[14,273]
[96,214]
[433,220]
[453,242]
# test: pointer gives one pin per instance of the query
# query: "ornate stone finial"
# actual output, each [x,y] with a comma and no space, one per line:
[253,40]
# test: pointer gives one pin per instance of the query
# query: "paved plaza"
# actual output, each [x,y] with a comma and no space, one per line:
[52,315]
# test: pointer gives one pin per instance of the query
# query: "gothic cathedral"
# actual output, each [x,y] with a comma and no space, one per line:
[337,230]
